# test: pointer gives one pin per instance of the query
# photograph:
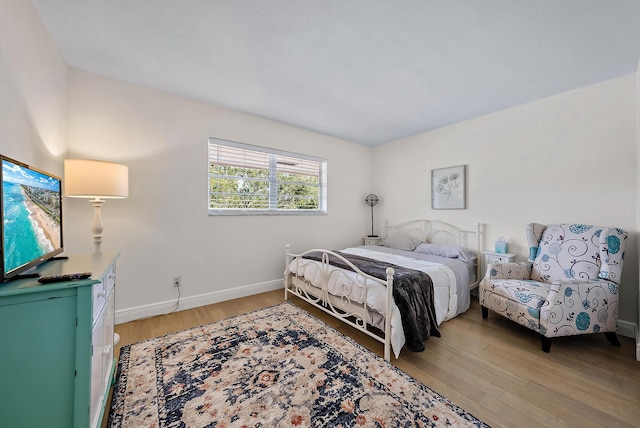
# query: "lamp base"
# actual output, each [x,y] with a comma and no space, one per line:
[372,236]
[96,227]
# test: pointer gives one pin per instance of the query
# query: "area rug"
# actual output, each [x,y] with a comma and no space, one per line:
[278,366]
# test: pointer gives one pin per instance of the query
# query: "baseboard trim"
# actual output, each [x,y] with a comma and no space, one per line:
[627,329]
[637,343]
[631,330]
[190,302]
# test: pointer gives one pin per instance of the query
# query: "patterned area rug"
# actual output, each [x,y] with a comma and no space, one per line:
[278,366]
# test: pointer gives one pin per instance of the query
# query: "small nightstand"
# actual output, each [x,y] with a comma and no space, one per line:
[372,240]
[493,257]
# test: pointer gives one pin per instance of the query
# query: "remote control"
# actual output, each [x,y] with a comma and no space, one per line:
[66,277]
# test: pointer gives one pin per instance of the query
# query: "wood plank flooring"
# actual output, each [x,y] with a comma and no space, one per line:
[492,368]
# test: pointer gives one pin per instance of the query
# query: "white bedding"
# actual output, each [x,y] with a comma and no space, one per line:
[450,279]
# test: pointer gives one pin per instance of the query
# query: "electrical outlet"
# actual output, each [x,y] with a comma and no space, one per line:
[177,281]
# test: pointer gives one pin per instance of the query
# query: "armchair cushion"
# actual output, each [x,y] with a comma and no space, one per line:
[576,251]
[517,299]
[563,308]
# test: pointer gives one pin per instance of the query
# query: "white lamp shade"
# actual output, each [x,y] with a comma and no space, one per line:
[85,178]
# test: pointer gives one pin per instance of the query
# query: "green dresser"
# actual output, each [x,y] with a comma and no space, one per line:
[56,345]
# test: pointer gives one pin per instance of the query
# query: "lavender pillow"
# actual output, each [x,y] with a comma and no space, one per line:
[446,250]
[401,242]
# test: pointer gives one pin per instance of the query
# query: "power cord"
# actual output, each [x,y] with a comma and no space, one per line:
[177,302]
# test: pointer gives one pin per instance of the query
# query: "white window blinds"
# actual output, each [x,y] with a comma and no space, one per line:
[245,179]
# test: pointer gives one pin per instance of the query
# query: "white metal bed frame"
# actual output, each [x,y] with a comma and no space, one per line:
[439,232]
[356,314]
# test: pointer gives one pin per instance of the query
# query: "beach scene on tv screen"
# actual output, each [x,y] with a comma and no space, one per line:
[31,208]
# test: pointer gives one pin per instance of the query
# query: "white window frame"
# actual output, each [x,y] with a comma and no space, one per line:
[273,184]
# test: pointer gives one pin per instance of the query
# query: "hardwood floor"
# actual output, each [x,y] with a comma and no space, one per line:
[492,368]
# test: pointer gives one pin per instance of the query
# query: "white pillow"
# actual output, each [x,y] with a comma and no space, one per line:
[401,242]
[446,250]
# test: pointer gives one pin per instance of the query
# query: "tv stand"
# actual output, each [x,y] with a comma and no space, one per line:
[35,274]
[24,276]
[59,358]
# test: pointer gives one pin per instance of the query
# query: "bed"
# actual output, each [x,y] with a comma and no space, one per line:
[361,285]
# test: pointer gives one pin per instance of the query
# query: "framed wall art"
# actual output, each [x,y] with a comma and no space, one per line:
[448,188]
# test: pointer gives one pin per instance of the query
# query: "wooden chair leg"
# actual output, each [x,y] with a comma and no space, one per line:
[485,312]
[546,344]
[612,338]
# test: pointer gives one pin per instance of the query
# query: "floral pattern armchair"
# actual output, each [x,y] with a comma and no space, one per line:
[569,285]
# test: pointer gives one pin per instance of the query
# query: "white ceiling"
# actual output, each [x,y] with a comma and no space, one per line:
[368,71]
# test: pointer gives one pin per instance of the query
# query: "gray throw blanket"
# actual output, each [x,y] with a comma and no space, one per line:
[412,293]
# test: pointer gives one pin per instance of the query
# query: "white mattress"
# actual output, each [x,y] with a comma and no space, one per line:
[465,272]
[450,279]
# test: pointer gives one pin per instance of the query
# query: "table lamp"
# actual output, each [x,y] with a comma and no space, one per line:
[97,181]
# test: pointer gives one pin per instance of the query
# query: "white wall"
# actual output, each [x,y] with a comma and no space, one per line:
[567,158]
[163,229]
[32,89]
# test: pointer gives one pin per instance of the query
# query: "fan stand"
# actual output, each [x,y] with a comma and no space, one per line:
[372,235]
[372,200]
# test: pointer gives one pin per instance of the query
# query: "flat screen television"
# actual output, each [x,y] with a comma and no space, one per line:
[31,217]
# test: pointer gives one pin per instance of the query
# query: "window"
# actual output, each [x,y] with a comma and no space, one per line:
[245,179]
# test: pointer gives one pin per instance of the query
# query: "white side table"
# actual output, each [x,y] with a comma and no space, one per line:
[493,257]
[372,240]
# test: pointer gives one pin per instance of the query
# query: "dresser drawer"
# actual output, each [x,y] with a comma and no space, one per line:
[102,290]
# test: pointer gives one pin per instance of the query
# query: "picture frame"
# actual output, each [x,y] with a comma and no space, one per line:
[448,188]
